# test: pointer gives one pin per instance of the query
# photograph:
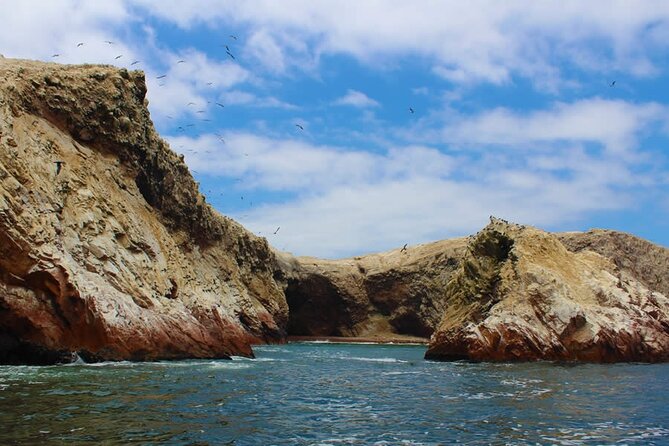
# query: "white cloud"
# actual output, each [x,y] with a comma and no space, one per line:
[263,47]
[357,99]
[37,30]
[239,97]
[466,41]
[612,123]
[191,87]
[293,165]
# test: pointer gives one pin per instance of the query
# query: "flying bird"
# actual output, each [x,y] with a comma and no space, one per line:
[59,166]
[135,62]
[162,76]
[109,42]
[56,55]
[299,126]
[612,84]
[404,248]
[210,83]
[220,105]
[277,229]
[80,44]
[234,37]
[180,61]
[191,103]
[411,110]
[119,56]
[230,54]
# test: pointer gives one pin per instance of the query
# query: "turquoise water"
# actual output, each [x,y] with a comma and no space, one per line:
[334,394]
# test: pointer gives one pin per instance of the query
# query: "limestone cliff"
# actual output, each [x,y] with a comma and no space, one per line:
[106,246]
[519,294]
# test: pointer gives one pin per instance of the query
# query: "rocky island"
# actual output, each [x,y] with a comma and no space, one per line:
[108,250]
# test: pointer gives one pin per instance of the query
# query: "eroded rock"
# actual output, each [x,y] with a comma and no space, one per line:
[117,255]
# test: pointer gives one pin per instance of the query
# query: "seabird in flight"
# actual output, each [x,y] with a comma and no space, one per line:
[277,229]
[411,110]
[299,126]
[80,44]
[161,76]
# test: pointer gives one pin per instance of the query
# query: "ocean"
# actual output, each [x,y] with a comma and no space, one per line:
[334,394]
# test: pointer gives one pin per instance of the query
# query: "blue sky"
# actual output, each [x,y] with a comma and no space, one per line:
[515,114]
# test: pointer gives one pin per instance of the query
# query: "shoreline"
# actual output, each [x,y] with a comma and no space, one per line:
[406,340]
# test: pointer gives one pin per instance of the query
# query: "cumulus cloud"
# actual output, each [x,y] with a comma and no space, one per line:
[357,99]
[477,41]
[614,124]
[37,30]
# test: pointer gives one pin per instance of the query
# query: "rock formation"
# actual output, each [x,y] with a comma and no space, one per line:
[108,250]
[519,294]
[112,252]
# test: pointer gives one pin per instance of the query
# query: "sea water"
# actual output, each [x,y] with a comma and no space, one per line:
[334,394]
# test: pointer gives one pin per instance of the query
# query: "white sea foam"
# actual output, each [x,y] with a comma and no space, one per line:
[388,360]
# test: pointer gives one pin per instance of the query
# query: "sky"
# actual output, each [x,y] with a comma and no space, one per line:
[358,126]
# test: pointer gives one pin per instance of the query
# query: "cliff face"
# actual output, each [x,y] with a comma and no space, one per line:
[387,295]
[108,249]
[519,294]
[112,252]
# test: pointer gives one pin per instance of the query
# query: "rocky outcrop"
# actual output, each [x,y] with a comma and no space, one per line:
[109,251]
[520,294]
[379,296]
[106,246]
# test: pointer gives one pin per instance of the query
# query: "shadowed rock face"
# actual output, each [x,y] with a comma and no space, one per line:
[117,256]
[519,294]
[379,296]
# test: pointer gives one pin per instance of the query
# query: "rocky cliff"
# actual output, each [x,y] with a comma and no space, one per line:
[108,250]
[106,246]
[520,294]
